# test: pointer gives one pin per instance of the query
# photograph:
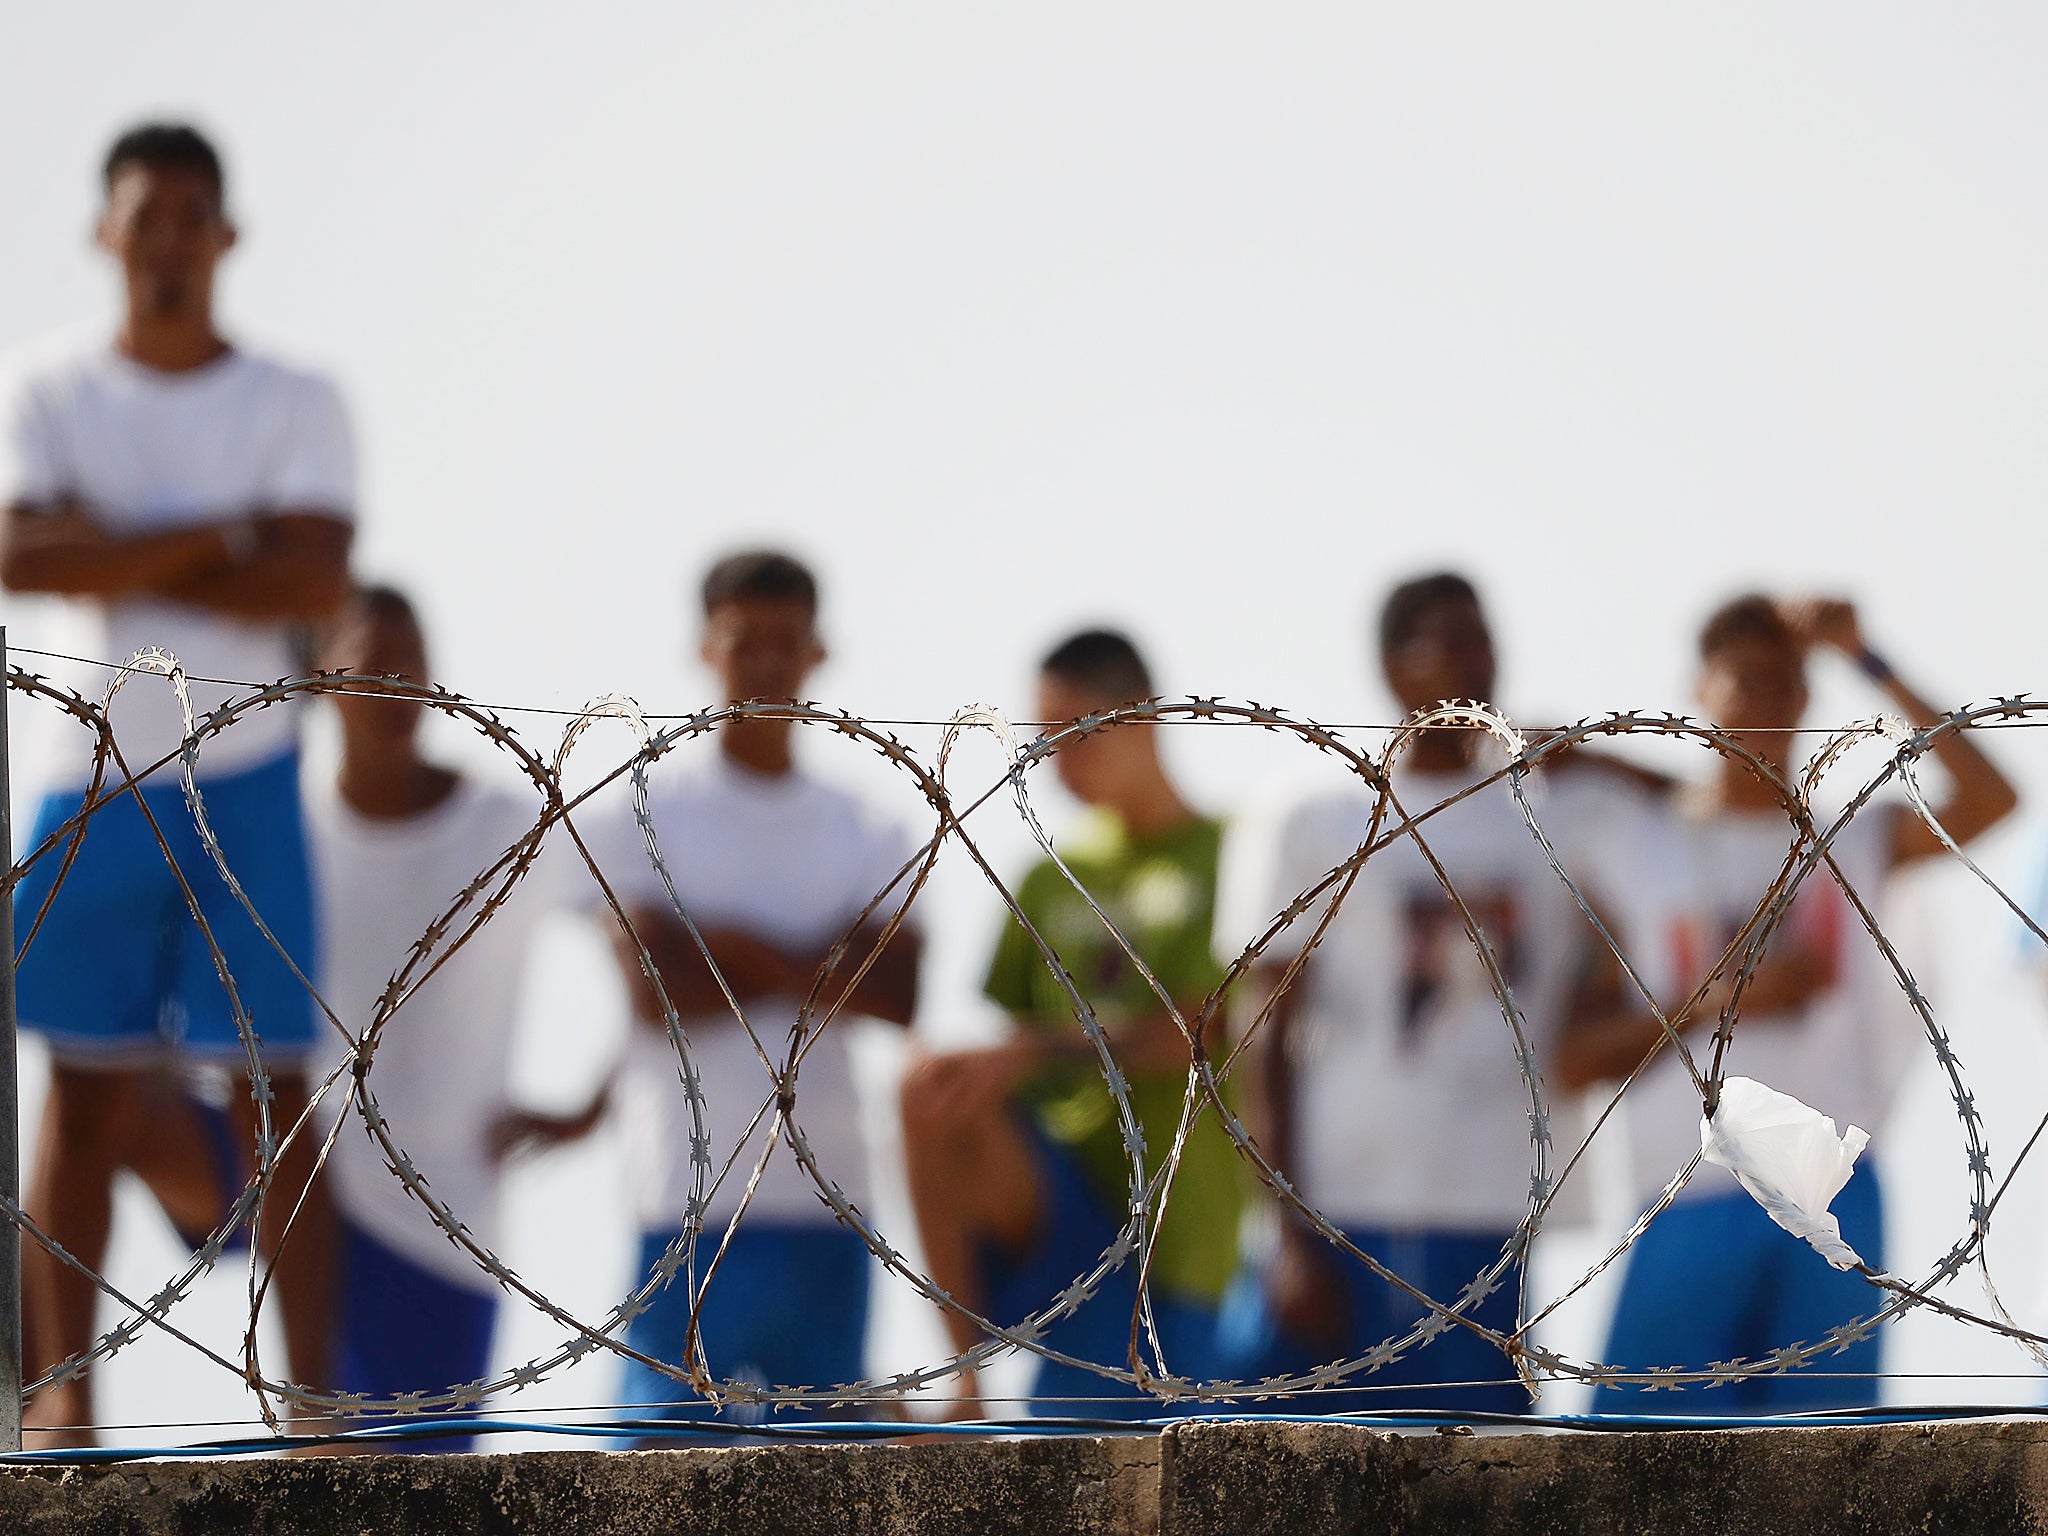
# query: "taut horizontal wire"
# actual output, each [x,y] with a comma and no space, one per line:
[893,722]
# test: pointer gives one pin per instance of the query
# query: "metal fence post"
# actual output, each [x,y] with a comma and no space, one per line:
[10,1113]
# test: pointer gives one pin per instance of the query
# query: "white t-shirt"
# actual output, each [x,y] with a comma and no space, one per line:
[1411,1108]
[788,859]
[1844,1053]
[144,451]
[442,1062]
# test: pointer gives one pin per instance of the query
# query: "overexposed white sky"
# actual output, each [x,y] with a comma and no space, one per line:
[1209,320]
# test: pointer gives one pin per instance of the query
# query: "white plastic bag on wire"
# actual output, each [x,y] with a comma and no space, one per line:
[1788,1155]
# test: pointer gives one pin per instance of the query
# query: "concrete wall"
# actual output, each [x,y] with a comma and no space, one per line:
[1243,1479]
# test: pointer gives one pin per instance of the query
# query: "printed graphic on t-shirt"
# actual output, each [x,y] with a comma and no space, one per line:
[1159,898]
[1443,968]
[1813,930]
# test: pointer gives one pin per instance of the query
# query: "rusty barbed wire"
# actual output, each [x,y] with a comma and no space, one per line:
[348,1093]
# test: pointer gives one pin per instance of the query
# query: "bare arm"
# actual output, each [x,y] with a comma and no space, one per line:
[754,968]
[289,565]
[1608,1032]
[1269,1064]
[963,1084]
[1979,795]
[1153,1042]
[1149,1043]
[1301,1285]
[1579,758]
[298,569]
[62,549]
[889,990]
[689,982]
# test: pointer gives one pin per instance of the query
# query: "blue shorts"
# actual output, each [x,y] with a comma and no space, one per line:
[1456,1372]
[119,974]
[788,1307]
[1716,1279]
[1075,1228]
[401,1328]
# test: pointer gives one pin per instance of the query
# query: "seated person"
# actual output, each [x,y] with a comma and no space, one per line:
[1015,1153]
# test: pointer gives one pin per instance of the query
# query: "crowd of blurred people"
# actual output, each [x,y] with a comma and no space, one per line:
[182,491]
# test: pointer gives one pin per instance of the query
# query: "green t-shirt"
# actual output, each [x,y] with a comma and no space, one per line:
[1161,892]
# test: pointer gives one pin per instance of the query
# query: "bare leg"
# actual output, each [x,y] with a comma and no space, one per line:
[972,1182]
[303,1261]
[169,1150]
[82,1143]
[96,1123]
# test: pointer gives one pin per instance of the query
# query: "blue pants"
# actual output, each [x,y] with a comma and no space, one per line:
[119,974]
[1716,1279]
[788,1307]
[1458,1371]
[400,1328]
[1075,1227]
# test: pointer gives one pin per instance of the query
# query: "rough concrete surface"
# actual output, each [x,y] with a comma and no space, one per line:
[1083,1487]
[1243,1479]
[1276,1480]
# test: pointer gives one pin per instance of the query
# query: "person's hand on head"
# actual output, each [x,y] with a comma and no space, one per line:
[1828,621]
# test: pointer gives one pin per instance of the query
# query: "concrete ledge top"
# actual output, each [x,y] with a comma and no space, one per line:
[1207,1479]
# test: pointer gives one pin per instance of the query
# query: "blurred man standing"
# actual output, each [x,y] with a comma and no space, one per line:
[185,493]
[397,838]
[1822,1019]
[1015,1153]
[775,866]
[1386,1081]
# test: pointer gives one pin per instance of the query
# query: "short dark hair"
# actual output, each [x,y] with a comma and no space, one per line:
[760,574]
[371,602]
[166,144]
[1102,661]
[1402,613]
[1752,616]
